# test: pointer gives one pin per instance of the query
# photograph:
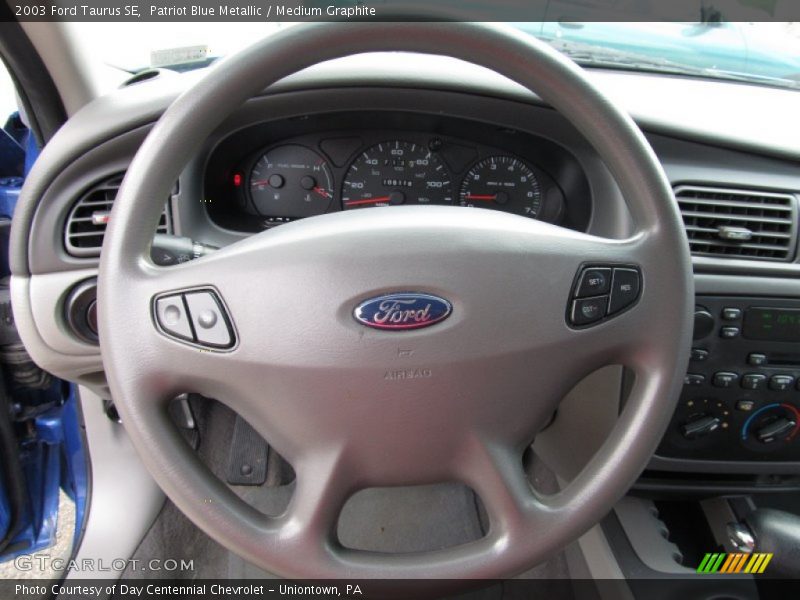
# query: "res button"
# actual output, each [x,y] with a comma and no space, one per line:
[624,289]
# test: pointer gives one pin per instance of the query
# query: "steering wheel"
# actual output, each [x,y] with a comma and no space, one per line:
[352,407]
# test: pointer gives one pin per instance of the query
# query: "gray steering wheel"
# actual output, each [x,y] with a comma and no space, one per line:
[312,380]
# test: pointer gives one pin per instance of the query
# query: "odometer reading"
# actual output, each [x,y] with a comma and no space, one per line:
[502,183]
[396,172]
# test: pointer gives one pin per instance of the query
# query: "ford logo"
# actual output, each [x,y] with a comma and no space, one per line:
[401,311]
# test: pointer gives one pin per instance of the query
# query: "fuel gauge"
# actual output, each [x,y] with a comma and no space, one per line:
[290,181]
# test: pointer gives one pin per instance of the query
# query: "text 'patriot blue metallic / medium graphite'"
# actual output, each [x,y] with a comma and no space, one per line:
[403,311]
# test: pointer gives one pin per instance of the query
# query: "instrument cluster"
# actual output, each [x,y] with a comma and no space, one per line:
[300,176]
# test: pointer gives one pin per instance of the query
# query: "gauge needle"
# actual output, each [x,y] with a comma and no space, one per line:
[367,201]
[322,192]
[260,182]
[484,197]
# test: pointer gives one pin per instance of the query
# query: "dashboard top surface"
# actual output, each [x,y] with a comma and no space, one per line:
[692,108]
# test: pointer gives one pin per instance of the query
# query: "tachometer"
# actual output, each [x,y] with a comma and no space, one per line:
[502,183]
[291,181]
[396,173]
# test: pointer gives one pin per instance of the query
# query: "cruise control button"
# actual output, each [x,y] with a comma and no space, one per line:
[589,310]
[210,323]
[172,317]
[594,282]
[624,289]
[756,359]
[780,383]
[754,381]
[724,379]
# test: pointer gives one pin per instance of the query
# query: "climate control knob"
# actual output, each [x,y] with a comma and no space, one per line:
[773,424]
[774,430]
[700,425]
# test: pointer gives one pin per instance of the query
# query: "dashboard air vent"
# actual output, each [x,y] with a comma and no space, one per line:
[88,217]
[732,223]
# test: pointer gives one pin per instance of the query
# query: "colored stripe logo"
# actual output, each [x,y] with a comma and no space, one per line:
[722,562]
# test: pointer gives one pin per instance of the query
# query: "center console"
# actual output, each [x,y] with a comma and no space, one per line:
[741,394]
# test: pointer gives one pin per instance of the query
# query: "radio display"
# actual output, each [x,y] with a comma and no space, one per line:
[767,323]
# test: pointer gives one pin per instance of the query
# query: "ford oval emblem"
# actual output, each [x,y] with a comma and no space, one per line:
[402,311]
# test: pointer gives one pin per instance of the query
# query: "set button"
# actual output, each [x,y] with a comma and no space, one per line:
[194,316]
[603,291]
[594,282]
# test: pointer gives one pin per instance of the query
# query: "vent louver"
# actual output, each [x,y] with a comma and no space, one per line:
[732,223]
[88,217]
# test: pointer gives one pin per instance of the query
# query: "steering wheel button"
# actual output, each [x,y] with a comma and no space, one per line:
[624,289]
[173,318]
[209,321]
[594,282]
[589,310]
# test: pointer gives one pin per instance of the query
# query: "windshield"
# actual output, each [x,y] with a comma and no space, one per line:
[764,53]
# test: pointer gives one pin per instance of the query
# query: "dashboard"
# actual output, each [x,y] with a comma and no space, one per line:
[272,173]
[346,136]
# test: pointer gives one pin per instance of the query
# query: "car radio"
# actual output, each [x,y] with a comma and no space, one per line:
[741,394]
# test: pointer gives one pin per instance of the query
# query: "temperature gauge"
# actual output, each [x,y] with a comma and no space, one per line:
[291,181]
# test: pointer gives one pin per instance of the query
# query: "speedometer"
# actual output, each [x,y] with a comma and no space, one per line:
[396,173]
[502,183]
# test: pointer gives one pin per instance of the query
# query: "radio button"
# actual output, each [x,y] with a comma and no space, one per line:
[725,379]
[729,332]
[756,359]
[731,314]
[699,354]
[754,381]
[781,383]
[694,379]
